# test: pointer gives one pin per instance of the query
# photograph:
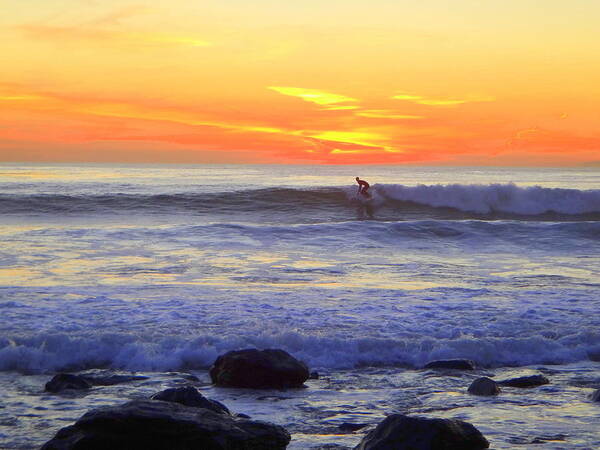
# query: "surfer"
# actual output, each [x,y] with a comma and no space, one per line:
[363,187]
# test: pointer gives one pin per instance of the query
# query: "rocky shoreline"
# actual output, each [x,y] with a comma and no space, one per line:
[182,418]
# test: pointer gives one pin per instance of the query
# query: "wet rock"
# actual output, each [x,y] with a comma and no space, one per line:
[400,432]
[456,364]
[484,386]
[348,427]
[189,396]
[64,381]
[524,382]
[596,396]
[330,447]
[314,376]
[526,440]
[258,369]
[190,377]
[594,355]
[108,378]
[154,425]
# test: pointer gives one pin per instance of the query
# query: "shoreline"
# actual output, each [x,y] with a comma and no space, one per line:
[515,418]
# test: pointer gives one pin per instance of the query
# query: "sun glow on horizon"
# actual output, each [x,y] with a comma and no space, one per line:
[391,83]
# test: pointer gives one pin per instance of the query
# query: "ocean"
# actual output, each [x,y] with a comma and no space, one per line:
[159,269]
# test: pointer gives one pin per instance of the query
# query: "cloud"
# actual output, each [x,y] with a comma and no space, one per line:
[428,101]
[337,151]
[115,17]
[328,100]
[367,139]
[18,97]
[103,36]
[385,114]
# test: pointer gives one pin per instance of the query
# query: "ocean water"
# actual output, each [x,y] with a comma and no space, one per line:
[159,269]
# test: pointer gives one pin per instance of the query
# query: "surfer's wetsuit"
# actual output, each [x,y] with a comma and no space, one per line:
[363,187]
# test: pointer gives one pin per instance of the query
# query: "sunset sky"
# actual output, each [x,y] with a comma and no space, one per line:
[451,82]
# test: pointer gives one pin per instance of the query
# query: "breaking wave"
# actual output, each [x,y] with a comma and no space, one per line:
[469,201]
[48,353]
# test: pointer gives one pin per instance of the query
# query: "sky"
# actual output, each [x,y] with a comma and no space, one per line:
[430,82]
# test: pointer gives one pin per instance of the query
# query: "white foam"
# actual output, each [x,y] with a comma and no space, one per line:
[508,198]
[122,352]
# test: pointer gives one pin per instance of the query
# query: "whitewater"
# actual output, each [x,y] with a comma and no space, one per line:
[160,269]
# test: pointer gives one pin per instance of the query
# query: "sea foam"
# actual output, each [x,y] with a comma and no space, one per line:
[508,198]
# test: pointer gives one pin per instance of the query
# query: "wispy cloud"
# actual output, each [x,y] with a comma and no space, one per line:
[428,101]
[385,114]
[76,34]
[108,28]
[8,98]
[328,100]
[117,16]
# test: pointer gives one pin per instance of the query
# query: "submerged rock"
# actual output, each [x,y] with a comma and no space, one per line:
[64,381]
[484,386]
[157,425]
[348,427]
[524,382]
[594,355]
[108,378]
[258,369]
[456,364]
[189,396]
[400,432]
[596,396]
[330,447]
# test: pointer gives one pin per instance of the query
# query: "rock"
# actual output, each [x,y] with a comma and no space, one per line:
[63,381]
[190,377]
[457,364]
[108,378]
[157,425]
[314,376]
[596,396]
[523,382]
[258,369]
[348,427]
[330,447]
[189,396]
[400,432]
[594,355]
[484,386]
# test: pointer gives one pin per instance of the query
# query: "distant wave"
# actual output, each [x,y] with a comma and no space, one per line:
[469,201]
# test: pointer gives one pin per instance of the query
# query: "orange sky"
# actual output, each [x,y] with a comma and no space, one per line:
[457,82]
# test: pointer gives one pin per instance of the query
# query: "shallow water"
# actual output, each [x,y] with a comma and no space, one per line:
[553,416]
[163,268]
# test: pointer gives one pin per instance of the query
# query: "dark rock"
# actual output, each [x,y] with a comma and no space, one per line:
[158,425]
[596,396]
[484,386]
[330,447]
[63,381]
[526,440]
[190,377]
[523,382]
[258,369]
[594,355]
[314,376]
[108,378]
[243,416]
[189,396]
[457,364]
[348,427]
[399,432]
